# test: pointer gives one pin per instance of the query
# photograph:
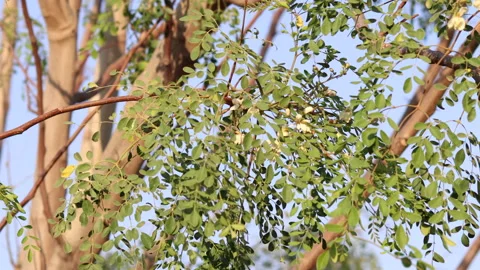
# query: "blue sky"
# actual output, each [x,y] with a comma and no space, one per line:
[18,161]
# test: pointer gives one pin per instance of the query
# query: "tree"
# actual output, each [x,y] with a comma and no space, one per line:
[215,144]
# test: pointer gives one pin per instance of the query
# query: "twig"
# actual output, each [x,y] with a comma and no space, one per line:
[37,120]
[117,65]
[225,59]
[272,32]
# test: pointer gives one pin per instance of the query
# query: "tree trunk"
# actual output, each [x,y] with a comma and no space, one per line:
[9,27]
[61,22]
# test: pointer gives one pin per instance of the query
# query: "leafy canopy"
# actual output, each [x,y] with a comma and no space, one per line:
[249,147]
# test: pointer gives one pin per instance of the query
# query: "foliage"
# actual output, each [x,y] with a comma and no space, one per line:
[269,148]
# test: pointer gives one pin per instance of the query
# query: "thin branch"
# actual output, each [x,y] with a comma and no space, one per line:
[117,65]
[272,32]
[37,120]
[468,258]
[225,59]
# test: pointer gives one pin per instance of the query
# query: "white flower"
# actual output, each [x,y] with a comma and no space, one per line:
[330,93]
[303,127]
[285,132]
[275,146]
[253,110]
[476,4]
[457,23]
[308,110]
[237,102]
[298,118]
[287,112]
[239,138]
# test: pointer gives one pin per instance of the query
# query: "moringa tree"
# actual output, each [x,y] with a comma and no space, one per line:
[216,147]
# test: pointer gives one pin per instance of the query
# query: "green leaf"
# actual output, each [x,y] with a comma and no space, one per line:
[323,260]
[369,136]
[225,69]
[458,215]
[95,137]
[436,218]
[147,240]
[107,246]
[407,85]
[67,247]
[459,158]
[401,237]
[438,258]
[406,262]
[195,52]
[393,124]
[247,141]
[170,225]
[432,190]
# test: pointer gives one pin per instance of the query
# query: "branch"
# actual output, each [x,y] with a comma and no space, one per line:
[22,128]
[61,151]
[33,191]
[468,258]
[271,32]
[155,32]
[243,3]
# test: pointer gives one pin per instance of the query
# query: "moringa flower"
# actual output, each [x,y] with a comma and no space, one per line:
[308,110]
[304,127]
[299,21]
[287,112]
[476,4]
[237,102]
[330,93]
[239,138]
[457,23]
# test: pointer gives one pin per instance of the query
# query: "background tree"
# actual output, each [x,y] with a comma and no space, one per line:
[216,145]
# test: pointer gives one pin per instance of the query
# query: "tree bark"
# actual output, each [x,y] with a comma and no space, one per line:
[61,22]
[7,46]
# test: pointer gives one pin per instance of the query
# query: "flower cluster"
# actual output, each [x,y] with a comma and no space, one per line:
[476,4]
[303,124]
[457,22]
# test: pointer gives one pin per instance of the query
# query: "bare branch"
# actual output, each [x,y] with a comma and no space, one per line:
[37,120]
